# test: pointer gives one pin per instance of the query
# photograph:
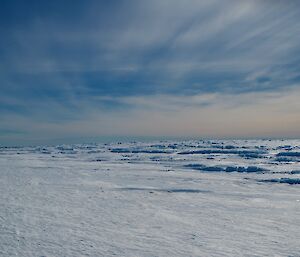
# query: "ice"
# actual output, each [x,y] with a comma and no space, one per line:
[290,154]
[284,159]
[249,169]
[125,150]
[295,172]
[213,151]
[149,199]
[290,181]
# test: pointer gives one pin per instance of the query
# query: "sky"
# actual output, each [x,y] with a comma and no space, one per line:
[79,70]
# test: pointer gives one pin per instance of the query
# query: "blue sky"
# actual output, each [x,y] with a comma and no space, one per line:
[88,69]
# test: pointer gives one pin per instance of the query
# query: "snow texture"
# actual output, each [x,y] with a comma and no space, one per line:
[165,198]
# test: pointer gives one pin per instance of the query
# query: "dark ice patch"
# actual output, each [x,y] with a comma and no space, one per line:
[168,146]
[250,155]
[150,151]
[98,160]
[288,154]
[42,150]
[223,151]
[195,166]
[249,169]
[284,159]
[159,146]
[171,190]
[224,147]
[285,147]
[290,181]
[120,150]
[295,172]
[213,169]
[255,169]
[240,169]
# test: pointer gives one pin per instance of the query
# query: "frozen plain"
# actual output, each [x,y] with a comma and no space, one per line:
[164,198]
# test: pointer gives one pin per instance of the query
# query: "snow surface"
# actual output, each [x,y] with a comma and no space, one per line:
[165,198]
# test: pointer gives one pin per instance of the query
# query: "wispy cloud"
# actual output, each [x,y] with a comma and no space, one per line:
[81,62]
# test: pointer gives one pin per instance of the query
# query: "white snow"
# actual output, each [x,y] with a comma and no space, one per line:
[146,199]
